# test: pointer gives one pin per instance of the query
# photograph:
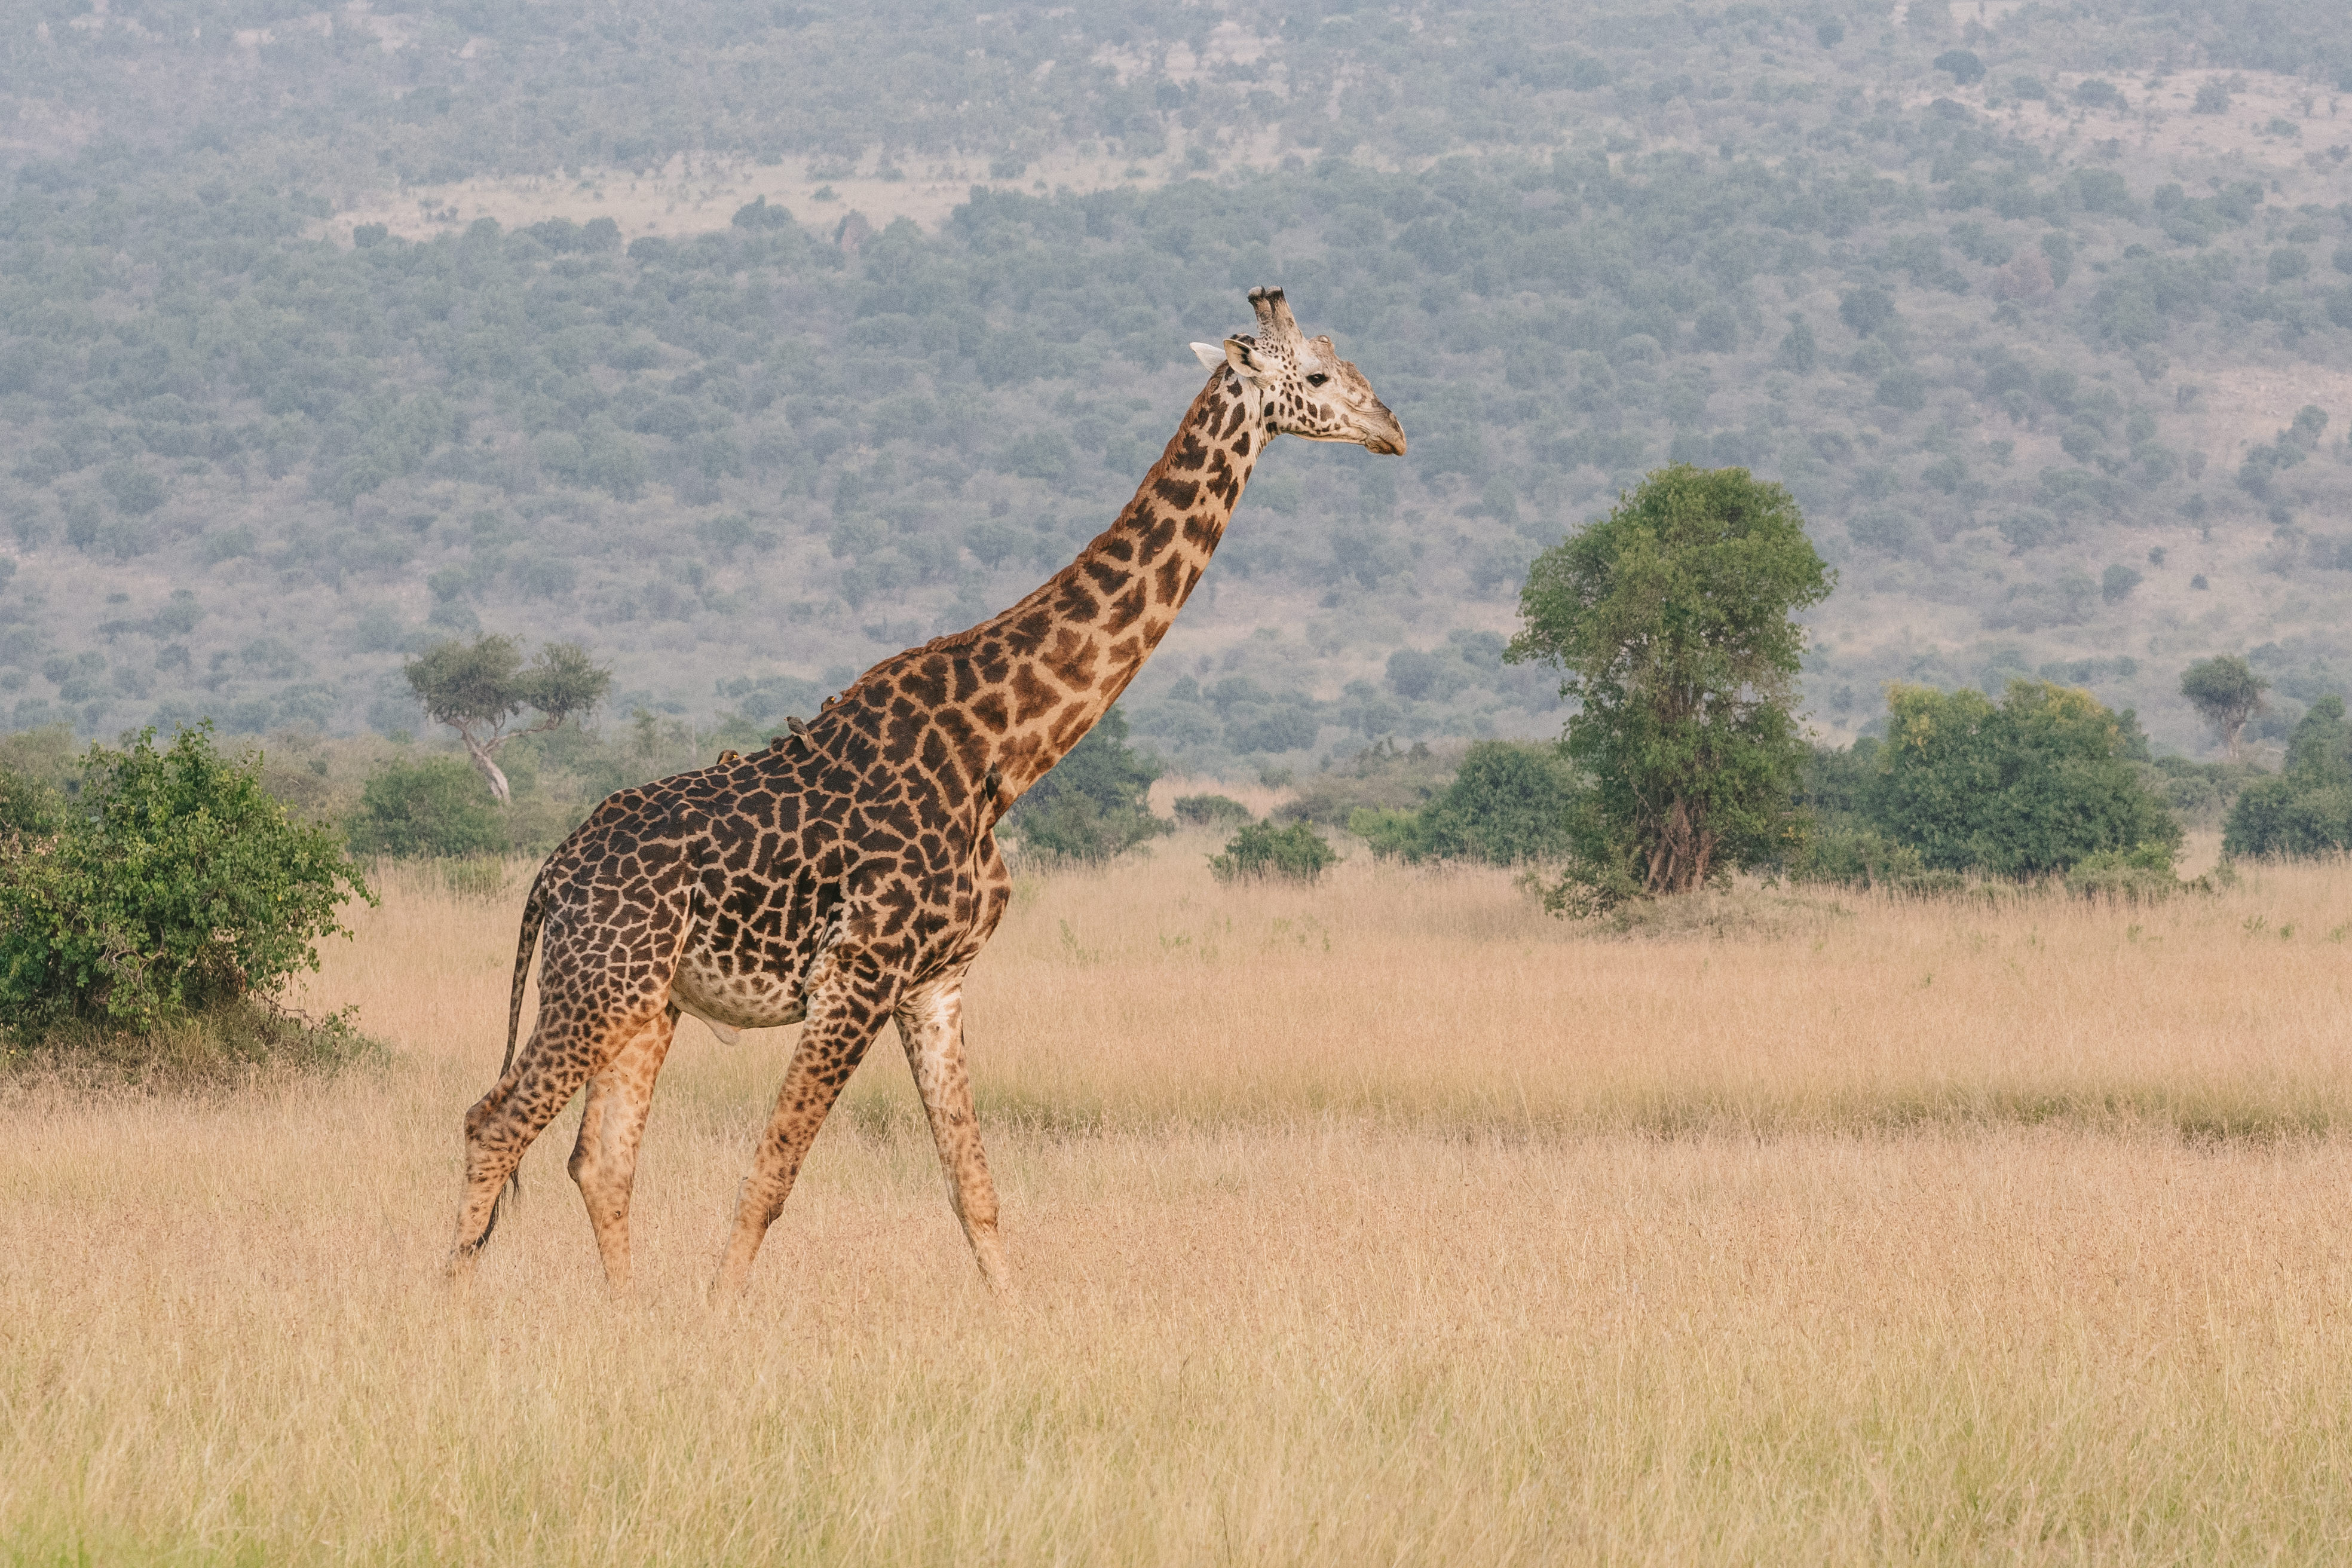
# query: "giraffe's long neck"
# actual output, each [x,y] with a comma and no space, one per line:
[1016,692]
[1072,646]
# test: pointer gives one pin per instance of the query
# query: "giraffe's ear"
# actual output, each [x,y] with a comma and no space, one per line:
[1245,361]
[1210,355]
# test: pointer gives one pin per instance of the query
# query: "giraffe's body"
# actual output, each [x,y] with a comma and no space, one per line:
[848,875]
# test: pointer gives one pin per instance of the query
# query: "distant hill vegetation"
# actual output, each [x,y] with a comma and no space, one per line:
[2058,400]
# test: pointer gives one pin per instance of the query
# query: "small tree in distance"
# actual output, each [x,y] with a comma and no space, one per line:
[477,689]
[425,807]
[1096,803]
[1670,618]
[2226,693]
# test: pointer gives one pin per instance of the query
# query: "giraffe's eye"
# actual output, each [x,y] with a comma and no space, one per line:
[1317,379]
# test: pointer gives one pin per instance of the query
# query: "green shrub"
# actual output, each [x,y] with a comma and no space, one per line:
[1861,857]
[2138,876]
[2307,808]
[1072,826]
[2200,794]
[175,883]
[2032,786]
[1839,846]
[433,806]
[1508,805]
[1296,853]
[28,803]
[1391,834]
[1210,810]
[1096,803]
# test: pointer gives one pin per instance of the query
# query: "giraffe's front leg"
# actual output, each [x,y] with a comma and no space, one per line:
[845,1008]
[930,1024]
[612,1122]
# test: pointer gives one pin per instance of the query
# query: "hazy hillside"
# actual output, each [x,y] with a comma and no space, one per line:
[746,343]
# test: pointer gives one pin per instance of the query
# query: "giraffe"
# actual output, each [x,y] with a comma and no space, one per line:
[848,874]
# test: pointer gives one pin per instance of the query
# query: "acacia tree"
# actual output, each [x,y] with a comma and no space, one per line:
[1670,618]
[477,689]
[2226,693]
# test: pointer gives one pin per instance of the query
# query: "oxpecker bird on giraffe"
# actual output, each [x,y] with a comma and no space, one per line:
[847,876]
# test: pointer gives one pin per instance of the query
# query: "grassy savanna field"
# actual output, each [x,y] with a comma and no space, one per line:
[1382,1221]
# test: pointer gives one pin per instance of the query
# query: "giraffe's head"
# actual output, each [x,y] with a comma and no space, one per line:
[1301,383]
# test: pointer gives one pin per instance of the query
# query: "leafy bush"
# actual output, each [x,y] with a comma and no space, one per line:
[1096,803]
[1074,828]
[1839,846]
[26,804]
[2307,809]
[1857,856]
[1210,810]
[1508,805]
[1296,852]
[434,807]
[175,884]
[1390,834]
[2032,786]
[2137,877]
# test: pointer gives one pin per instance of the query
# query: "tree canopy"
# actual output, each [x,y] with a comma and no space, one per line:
[2226,693]
[478,687]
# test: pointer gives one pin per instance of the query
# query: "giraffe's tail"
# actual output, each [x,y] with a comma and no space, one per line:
[534,916]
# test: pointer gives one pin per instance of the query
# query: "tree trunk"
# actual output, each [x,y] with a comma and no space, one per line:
[1683,855]
[487,765]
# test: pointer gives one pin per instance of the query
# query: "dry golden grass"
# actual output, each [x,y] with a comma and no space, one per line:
[1381,1222]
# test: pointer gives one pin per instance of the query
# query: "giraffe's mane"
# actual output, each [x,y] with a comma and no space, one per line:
[950,643]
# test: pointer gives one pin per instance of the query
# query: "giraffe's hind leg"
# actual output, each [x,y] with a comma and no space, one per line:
[605,1158]
[563,1052]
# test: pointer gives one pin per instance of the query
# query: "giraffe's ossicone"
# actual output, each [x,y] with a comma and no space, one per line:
[849,874]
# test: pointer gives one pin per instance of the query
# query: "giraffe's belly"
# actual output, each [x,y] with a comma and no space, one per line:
[731,1002]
